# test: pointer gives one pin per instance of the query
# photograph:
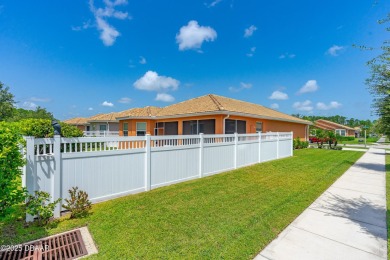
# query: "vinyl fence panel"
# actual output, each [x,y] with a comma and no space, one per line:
[109,167]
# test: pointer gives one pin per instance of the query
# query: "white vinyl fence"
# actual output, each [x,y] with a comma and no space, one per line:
[109,167]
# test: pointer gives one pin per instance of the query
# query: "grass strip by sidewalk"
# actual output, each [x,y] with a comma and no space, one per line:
[230,215]
[388,203]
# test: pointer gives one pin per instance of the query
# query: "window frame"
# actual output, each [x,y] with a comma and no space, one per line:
[125,129]
[261,128]
[141,132]
[235,125]
[338,131]
[194,126]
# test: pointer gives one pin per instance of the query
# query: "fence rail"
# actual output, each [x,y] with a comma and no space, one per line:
[108,167]
[101,133]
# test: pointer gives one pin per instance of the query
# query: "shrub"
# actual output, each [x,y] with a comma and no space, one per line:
[41,128]
[11,161]
[298,144]
[78,204]
[39,205]
[346,138]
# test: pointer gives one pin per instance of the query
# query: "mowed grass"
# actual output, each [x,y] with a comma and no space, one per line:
[231,215]
[388,203]
[369,140]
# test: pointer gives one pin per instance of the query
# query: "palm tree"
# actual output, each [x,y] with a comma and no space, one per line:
[320,138]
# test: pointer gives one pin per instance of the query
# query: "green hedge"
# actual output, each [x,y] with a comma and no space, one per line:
[11,162]
[11,159]
[42,128]
[346,138]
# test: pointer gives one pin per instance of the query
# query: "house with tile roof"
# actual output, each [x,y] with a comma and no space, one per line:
[97,125]
[209,114]
[79,122]
[104,122]
[339,129]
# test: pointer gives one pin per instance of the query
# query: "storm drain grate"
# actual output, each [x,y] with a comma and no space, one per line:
[65,246]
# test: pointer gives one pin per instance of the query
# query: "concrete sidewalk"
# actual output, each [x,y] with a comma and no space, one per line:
[348,221]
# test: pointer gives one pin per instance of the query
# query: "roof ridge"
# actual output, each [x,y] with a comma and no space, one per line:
[148,111]
[216,102]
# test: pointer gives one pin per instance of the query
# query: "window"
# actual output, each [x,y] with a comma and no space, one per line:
[125,129]
[141,129]
[341,132]
[195,127]
[170,128]
[259,127]
[103,127]
[235,126]
[88,128]
[166,128]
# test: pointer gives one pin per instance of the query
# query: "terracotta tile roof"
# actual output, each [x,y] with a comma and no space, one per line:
[139,112]
[215,103]
[322,126]
[104,117]
[332,125]
[77,121]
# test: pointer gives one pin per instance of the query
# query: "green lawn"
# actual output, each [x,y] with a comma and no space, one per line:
[370,140]
[388,202]
[230,215]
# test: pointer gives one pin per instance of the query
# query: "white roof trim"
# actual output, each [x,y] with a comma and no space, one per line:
[216,113]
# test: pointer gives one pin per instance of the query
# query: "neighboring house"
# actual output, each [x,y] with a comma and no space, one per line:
[104,124]
[337,128]
[79,122]
[358,131]
[209,114]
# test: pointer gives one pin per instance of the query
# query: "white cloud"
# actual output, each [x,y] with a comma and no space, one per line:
[124,100]
[248,32]
[29,105]
[36,99]
[335,50]
[287,55]
[85,26]
[192,36]
[164,97]
[278,95]
[108,33]
[107,104]
[252,52]
[310,86]
[303,106]
[151,81]
[142,60]
[332,105]
[213,3]
[274,106]
[242,87]
[90,109]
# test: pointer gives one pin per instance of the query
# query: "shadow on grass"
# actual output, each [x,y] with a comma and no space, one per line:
[13,227]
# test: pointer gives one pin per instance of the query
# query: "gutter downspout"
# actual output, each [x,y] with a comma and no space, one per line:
[224,123]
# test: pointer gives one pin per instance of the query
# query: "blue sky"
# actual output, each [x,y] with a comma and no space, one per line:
[80,58]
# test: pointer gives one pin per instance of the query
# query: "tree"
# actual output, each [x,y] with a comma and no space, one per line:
[38,113]
[379,80]
[6,102]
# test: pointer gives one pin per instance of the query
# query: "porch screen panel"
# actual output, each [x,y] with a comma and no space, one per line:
[171,128]
[189,127]
[241,127]
[230,126]
[207,126]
